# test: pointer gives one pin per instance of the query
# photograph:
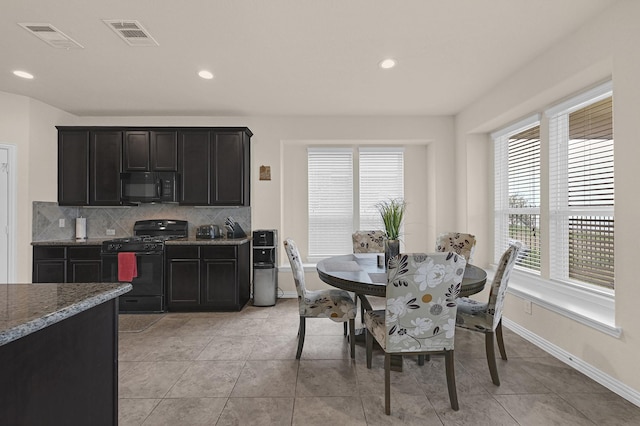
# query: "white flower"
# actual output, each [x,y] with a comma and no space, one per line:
[452,272]
[435,275]
[422,325]
[397,307]
[450,328]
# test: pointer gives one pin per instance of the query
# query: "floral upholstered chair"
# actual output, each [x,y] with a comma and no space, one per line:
[487,317]
[420,313]
[334,304]
[463,244]
[368,241]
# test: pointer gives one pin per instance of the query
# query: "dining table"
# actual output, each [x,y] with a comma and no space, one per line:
[364,275]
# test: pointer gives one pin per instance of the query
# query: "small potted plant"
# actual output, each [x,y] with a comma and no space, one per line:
[392,212]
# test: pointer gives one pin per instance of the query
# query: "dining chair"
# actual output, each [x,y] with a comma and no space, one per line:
[336,304]
[368,241]
[463,244]
[487,317]
[420,313]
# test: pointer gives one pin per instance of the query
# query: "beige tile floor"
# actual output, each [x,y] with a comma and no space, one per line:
[240,369]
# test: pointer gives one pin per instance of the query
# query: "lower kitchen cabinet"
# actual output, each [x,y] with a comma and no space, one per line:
[66,264]
[207,277]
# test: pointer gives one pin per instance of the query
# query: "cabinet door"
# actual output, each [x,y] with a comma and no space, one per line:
[194,162]
[104,179]
[73,168]
[164,151]
[83,265]
[219,285]
[135,152]
[49,264]
[228,171]
[183,283]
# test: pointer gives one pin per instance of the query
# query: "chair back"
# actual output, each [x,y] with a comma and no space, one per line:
[296,266]
[421,306]
[368,241]
[500,283]
[463,244]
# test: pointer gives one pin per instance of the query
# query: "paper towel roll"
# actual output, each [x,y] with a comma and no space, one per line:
[81,228]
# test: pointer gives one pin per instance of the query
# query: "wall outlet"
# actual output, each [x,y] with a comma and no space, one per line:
[61,223]
[527,307]
[111,232]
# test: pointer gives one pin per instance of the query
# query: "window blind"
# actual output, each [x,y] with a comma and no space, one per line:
[330,192]
[582,190]
[517,186]
[381,178]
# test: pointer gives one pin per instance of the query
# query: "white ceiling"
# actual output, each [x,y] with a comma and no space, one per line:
[280,57]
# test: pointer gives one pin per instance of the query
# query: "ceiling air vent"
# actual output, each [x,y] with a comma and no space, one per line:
[132,32]
[52,36]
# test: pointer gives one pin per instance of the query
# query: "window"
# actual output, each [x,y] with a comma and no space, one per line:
[345,184]
[579,221]
[581,191]
[517,207]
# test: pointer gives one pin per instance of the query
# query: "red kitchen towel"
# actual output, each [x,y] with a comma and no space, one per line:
[127,266]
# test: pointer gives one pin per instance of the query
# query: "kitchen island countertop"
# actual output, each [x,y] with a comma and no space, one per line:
[28,308]
[72,242]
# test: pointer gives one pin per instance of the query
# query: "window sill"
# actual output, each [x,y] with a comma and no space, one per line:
[595,309]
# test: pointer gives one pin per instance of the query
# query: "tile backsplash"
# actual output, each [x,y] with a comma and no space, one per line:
[47,215]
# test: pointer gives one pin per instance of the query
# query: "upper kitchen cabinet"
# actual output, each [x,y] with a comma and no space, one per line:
[150,151]
[214,165]
[104,168]
[73,167]
[88,167]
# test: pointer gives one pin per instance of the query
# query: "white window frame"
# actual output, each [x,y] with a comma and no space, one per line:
[590,305]
[318,253]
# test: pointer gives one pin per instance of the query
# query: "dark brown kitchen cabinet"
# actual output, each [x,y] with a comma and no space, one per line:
[194,152]
[145,151]
[49,265]
[73,167]
[215,167]
[183,277]
[104,168]
[208,277]
[66,264]
[83,264]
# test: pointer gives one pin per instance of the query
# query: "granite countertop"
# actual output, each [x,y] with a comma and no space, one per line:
[181,241]
[73,242]
[215,242]
[27,308]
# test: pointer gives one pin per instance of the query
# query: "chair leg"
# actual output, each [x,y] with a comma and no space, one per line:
[451,379]
[368,338]
[491,358]
[387,384]
[352,337]
[345,328]
[301,330]
[422,358]
[503,352]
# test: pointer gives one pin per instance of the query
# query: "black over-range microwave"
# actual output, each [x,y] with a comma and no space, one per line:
[149,187]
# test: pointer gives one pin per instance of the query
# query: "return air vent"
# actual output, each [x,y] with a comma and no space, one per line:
[52,36]
[132,32]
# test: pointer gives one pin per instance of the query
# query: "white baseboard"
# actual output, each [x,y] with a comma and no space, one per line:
[604,379]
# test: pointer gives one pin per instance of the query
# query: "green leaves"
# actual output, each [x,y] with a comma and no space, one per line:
[392,212]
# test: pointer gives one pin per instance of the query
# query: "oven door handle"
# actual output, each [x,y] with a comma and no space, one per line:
[148,253]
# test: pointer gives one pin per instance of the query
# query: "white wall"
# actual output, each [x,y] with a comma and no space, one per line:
[596,52]
[30,126]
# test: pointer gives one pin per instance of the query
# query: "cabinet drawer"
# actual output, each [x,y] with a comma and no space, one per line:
[48,252]
[183,252]
[89,253]
[218,252]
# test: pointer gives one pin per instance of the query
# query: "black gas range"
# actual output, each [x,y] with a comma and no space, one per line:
[145,252]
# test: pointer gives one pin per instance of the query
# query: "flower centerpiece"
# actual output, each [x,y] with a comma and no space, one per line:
[392,213]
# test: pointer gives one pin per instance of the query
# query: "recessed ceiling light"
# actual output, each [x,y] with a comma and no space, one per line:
[23,74]
[205,74]
[388,63]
